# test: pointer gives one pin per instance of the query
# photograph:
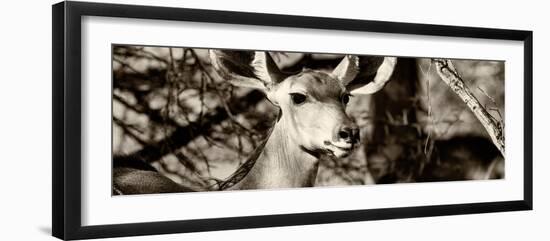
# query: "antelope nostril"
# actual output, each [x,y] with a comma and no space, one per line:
[343,134]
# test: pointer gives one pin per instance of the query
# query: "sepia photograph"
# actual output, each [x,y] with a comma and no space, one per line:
[174,119]
[196,119]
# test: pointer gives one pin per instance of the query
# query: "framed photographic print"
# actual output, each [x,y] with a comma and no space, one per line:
[170,120]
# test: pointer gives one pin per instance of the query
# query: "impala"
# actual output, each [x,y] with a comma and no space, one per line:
[311,122]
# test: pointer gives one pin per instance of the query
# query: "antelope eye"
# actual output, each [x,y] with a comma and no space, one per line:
[298,98]
[345,98]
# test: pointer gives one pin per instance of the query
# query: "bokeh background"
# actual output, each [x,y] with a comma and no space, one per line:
[171,110]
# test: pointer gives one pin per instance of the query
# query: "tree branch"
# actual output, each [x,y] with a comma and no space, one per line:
[185,134]
[449,75]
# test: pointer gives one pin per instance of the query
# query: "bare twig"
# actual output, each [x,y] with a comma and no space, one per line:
[448,74]
[430,117]
[128,130]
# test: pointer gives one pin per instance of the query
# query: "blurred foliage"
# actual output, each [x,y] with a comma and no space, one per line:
[172,110]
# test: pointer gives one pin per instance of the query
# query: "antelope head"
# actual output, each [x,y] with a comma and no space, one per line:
[312,102]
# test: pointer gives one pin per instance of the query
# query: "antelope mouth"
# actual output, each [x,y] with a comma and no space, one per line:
[339,149]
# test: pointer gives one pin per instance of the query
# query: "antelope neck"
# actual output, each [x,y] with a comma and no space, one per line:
[281,164]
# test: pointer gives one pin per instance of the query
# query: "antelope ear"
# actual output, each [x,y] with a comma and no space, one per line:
[380,68]
[267,70]
[247,68]
[347,69]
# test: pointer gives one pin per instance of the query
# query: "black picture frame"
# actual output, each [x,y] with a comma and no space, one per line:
[66,141]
